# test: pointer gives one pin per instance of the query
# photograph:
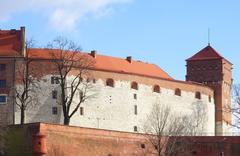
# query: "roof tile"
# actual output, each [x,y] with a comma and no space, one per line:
[113,64]
[206,54]
[10,42]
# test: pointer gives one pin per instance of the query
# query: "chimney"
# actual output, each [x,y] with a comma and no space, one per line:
[129,59]
[23,40]
[94,53]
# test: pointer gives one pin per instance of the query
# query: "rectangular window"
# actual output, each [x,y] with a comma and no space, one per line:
[54,94]
[81,95]
[2,67]
[3,99]
[52,80]
[81,111]
[135,96]
[135,129]
[2,83]
[55,80]
[54,110]
[135,109]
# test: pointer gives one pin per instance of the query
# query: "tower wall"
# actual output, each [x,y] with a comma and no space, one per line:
[217,74]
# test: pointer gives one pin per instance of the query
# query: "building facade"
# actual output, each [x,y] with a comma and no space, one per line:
[124,89]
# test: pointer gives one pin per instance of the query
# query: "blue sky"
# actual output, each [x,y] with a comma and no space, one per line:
[156,31]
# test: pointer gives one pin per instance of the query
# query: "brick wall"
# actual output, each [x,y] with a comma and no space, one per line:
[76,141]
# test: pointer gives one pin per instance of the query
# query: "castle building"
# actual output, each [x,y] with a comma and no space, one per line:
[125,89]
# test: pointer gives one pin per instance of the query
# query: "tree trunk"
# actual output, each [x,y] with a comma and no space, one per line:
[22,116]
[66,120]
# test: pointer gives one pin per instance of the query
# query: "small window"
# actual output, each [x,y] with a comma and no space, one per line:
[178,92]
[3,99]
[209,98]
[110,82]
[81,95]
[54,110]
[143,146]
[88,80]
[2,67]
[198,95]
[81,111]
[135,109]
[55,80]
[156,89]
[135,96]
[2,83]
[94,80]
[134,85]
[135,129]
[52,80]
[54,94]
[110,99]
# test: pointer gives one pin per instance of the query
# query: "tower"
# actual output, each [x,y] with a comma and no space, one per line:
[210,68]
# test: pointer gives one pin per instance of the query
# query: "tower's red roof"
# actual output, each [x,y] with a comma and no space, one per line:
[111,64]
[10,42]
[206,54]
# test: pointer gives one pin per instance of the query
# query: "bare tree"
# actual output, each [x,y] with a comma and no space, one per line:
[27,78]
[234,109]
[196,121]
[160,126]
[72,67]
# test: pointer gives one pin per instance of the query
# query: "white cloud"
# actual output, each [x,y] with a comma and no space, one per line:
[63,19]
[63,14]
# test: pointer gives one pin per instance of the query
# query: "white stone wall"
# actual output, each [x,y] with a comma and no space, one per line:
[112,108]
[41,111]
[224,129]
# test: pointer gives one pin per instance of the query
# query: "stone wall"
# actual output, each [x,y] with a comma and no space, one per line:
[113,108]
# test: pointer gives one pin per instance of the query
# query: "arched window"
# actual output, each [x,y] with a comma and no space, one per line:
[209,98]
[198,95]
[178,92]
[134,85]
[156,88]
[110,82]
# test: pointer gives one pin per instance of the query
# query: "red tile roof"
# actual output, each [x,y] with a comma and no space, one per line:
[206,54]
[112,64]
[10,42]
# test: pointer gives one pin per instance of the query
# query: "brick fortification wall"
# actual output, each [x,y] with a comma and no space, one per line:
[41,139]
[75,141]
